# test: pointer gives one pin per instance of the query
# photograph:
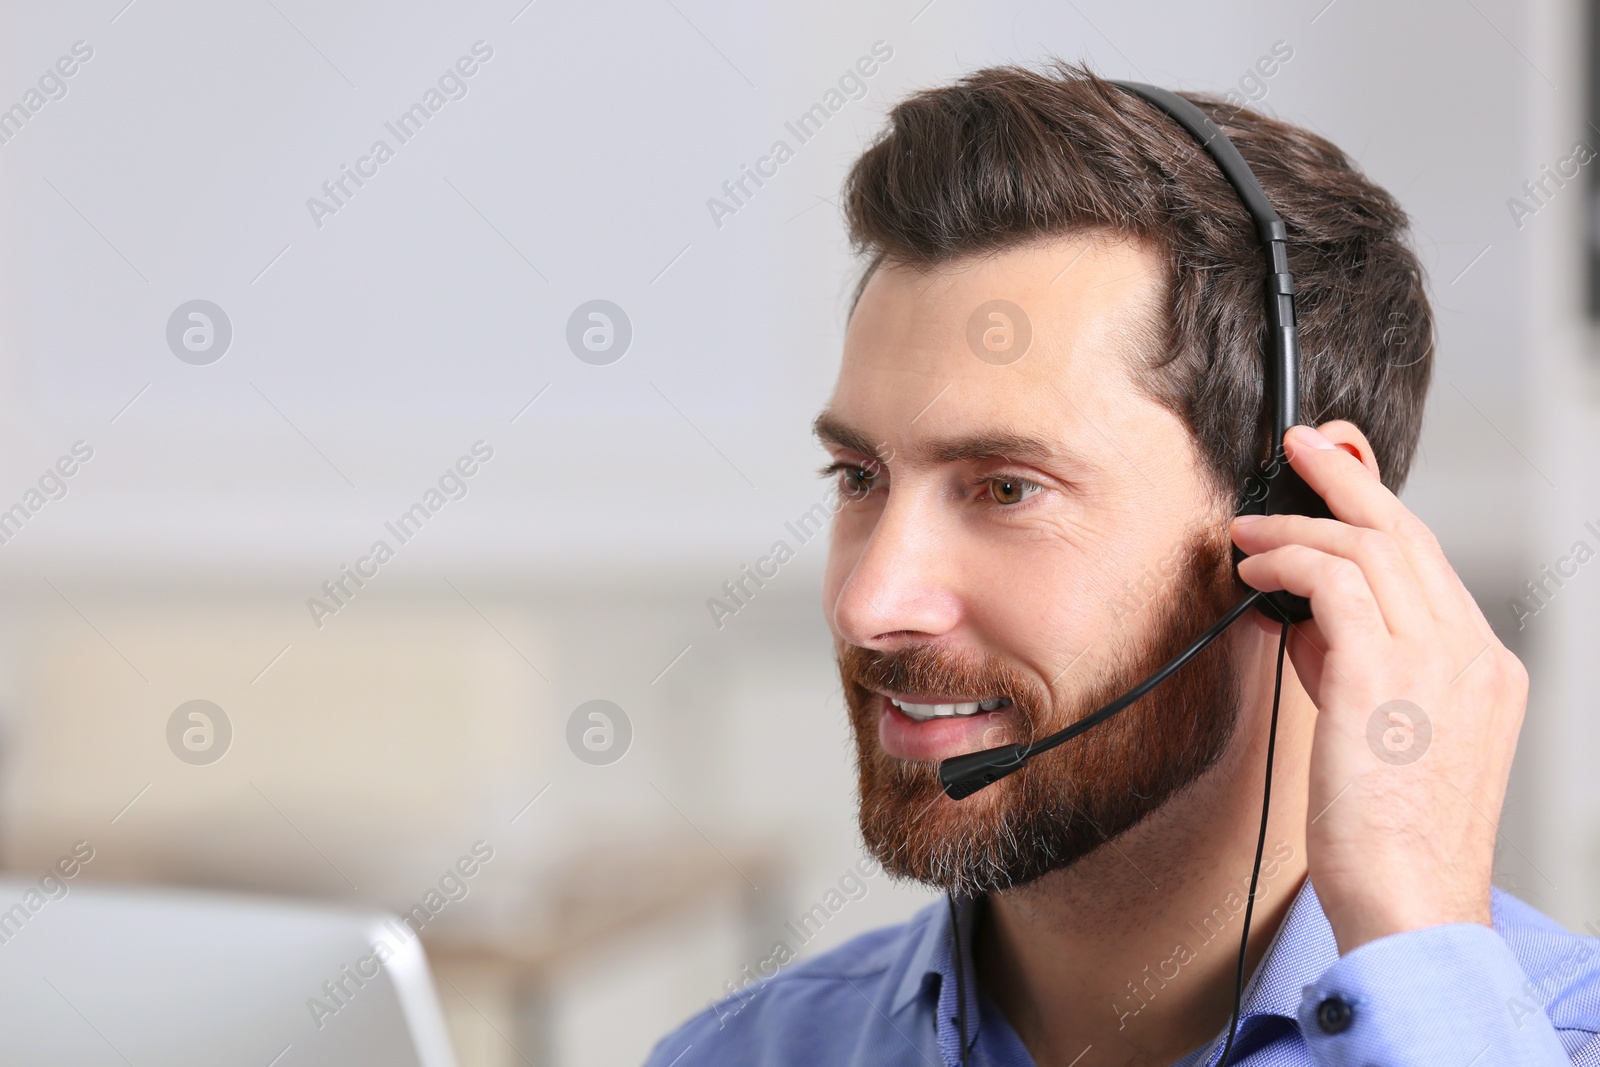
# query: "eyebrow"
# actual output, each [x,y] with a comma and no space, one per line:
[997,444]
[834,430]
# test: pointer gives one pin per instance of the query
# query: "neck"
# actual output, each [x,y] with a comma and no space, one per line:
[1133,950]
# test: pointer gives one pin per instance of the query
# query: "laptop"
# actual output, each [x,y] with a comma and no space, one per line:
[104,976]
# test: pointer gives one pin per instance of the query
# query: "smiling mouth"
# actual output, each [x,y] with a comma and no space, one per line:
[924,712]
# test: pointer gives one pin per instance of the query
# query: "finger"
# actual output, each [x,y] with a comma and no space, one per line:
[1352,492]
[1389,574]
[1307,649]
[1309,661]
[1346,611]
[1355,495]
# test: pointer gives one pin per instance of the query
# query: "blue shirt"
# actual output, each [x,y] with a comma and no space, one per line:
[1463,995]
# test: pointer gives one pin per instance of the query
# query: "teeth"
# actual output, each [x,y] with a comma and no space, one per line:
[923,712]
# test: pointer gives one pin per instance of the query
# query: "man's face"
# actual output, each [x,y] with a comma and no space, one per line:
[1024,538]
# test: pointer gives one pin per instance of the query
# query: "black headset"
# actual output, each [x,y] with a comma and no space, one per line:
[1277,490]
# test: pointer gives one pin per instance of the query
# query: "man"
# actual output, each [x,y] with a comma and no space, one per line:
[1048,413]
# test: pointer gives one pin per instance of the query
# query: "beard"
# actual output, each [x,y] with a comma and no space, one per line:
[1068,802]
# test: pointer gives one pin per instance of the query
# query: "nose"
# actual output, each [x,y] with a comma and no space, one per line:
[902,589]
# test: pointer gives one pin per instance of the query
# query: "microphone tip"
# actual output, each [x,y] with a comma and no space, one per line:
[962,776]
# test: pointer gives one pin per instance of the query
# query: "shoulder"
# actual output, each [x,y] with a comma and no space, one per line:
[794,1010]
[1562,968]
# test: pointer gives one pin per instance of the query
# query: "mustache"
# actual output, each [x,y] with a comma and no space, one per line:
[937,671]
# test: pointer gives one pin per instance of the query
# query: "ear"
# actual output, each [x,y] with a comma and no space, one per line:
[1346,436]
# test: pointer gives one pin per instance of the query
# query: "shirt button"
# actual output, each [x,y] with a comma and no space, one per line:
[1334,1015]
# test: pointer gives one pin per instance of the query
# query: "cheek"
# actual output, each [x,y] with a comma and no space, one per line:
[841,560]
[847,537]
[1045,604]
[1029,591]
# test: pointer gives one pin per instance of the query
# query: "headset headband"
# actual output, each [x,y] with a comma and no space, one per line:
[1282,370]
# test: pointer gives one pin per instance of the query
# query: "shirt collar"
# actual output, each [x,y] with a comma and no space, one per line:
[930,953]
[1301,950]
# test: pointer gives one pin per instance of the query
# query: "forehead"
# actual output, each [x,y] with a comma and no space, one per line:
[1037,339]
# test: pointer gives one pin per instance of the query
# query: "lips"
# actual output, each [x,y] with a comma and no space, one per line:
[929,728]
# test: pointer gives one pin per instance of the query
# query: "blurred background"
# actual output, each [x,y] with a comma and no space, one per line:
[240,346]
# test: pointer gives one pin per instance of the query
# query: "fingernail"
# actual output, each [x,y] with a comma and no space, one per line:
[1240,520]
[1314,438]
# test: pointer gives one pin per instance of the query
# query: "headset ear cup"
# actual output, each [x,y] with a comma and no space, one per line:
[1279,606]
[1285,607]
[1286,494]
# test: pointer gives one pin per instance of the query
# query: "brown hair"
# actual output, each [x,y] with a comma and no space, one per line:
[1008,155]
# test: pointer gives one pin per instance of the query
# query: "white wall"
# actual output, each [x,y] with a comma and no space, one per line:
[1561,364]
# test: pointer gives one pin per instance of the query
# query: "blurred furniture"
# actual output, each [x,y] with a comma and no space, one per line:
[601,902]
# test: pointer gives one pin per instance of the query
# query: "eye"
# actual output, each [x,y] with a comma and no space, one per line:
[1008,491]
[854,480]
